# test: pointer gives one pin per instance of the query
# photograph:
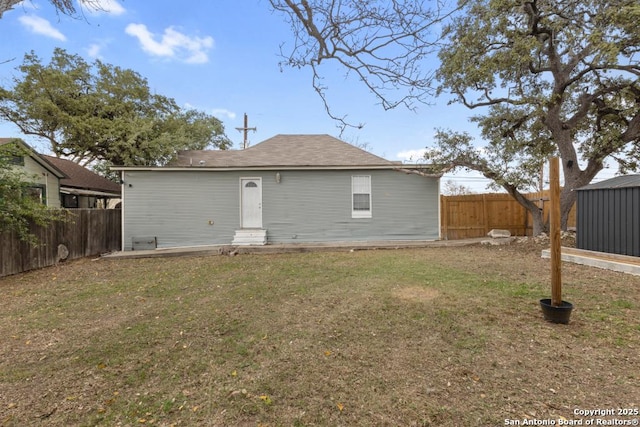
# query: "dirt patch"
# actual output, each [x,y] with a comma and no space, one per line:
[417,294]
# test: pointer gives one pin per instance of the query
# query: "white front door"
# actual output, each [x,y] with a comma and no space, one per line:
[251,202]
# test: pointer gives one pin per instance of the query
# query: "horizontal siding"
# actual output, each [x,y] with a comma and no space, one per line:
[177,207]
[305,206]
[41,176]
[315,206]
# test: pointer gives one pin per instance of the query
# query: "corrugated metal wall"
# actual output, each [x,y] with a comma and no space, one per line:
[190,208]
[608,220]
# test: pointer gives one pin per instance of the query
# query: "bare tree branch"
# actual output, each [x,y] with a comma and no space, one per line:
[382,43]
[65,7]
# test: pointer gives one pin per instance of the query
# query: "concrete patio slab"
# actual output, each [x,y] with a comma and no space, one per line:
[288,248]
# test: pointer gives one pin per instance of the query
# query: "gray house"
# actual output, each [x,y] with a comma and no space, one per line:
[287,189]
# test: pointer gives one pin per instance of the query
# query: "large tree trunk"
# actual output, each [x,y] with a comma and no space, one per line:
[574,177]
[531,206]
[567,200]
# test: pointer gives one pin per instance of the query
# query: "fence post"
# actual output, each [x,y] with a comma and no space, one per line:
[485,214]
[444,219]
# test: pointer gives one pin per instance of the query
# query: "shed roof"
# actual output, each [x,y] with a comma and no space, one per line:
[616,182]
[285,151]
[82,178]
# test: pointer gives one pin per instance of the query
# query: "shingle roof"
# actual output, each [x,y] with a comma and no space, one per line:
[81,177]
[6,140]
[285,151]
[616,182]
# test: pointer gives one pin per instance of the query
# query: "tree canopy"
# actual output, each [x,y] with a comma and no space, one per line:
[66,7]
[99,112]
[554,78]
[547,78]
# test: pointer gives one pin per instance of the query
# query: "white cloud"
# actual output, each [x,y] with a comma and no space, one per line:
[222,112]
[173,44]
[94,50]
[146,40]
[41,26]
[95,7]
[412,155]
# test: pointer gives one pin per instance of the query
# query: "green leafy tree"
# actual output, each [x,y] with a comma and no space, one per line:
[552,78]
[101,113]
[18,211]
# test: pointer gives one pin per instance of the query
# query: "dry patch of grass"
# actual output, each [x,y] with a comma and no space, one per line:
[441,336]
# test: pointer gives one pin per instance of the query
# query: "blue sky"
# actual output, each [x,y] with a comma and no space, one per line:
[221,57]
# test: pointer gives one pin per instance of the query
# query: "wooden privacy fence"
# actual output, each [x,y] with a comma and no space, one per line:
[474,215]
[88,232]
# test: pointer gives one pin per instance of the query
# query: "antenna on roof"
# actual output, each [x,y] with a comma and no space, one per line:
[246,130]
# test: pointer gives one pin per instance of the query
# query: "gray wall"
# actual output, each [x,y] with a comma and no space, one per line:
[306,206]
[608,220]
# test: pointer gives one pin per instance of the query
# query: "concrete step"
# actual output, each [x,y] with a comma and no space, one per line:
[250,236]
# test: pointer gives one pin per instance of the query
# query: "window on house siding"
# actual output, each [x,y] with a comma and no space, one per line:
[361,196]
[70,201]
[37,193]
[16,160]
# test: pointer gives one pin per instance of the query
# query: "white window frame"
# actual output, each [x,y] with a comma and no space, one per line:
[357,181]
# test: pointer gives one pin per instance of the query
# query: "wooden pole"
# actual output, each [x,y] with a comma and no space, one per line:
[554,230]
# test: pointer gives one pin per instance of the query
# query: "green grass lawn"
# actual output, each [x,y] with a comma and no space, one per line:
[420,337]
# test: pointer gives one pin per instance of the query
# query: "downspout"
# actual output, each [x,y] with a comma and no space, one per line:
[122,190]
[46,189]
[440,231]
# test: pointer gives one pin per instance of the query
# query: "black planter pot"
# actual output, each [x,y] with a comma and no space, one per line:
[556,314]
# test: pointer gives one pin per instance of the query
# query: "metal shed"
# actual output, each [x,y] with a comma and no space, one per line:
[608,216]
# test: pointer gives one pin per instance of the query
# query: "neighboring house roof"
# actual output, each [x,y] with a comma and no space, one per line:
[40,159]
[82,181]
[616,182]
[285,150]
[7,140]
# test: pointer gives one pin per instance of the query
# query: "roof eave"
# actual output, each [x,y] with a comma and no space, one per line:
[413,169]
[87,192]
